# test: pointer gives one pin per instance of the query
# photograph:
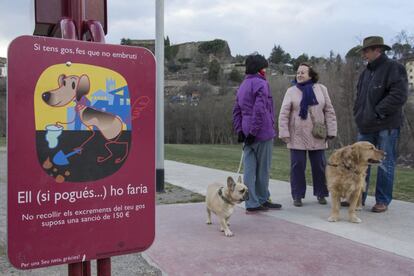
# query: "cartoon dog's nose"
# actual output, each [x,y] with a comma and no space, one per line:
[46,97]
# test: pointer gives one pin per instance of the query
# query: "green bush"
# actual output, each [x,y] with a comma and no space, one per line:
[214,71]
[235,75]
[185,60]
[173,67]
[125,41]
[212,47]
[170,52]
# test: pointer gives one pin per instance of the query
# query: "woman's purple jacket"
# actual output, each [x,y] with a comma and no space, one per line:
[253,110]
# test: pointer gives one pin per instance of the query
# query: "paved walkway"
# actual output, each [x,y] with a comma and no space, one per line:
[262,245]
[290,241]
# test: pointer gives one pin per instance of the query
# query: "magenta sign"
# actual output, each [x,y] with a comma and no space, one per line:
[81,151]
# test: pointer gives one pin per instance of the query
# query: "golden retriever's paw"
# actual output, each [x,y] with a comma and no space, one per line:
[228,233]
[208,222]
[355,219]
[359,208]
[333,219]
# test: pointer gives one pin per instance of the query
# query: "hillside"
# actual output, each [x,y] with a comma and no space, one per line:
[195,69]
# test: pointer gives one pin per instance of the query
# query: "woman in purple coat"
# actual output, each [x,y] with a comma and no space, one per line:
[253,120]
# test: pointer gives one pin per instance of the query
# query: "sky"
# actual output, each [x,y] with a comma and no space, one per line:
[313,27]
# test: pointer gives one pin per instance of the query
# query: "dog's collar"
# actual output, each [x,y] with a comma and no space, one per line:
[333,165]
[337,165]
[343,165]
[220,193]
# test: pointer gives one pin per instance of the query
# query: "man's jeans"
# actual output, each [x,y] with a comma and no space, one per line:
[385,140]
[257,162]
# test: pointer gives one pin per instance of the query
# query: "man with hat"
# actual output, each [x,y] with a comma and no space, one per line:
[381,93]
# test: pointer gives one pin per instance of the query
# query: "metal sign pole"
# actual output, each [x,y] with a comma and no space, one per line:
[104,267]
[77,13]
[75,269]
[159,55]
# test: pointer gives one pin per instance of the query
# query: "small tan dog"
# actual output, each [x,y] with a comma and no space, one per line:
[221,200]
[345,176]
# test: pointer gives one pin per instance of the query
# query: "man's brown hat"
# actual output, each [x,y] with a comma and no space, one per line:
[374,41]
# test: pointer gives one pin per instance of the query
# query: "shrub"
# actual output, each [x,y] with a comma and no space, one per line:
[235,75]
[212,47]
[214,71]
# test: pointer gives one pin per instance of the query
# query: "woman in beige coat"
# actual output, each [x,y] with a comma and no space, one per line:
[305,99]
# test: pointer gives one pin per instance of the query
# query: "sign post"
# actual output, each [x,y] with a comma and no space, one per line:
[159,54]
[109,111]
[81,152]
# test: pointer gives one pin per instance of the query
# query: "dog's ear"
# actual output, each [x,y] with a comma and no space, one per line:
[239,179]
[60,79]
[335,157]
[350,156]
[83,87]
[346,156]
[230,183]
[356,154]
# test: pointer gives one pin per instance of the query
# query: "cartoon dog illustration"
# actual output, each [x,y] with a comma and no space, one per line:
[74,88]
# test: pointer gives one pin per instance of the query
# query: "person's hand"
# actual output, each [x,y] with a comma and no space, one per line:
[250,139]
[286,139]
[241,137]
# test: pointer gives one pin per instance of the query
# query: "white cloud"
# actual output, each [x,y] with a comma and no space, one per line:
[312,27]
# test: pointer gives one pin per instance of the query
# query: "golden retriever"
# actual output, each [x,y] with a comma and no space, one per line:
[345,176]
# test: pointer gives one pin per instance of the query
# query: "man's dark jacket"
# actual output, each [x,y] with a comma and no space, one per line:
[381,93]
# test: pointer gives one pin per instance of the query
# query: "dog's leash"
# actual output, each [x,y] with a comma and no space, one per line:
[241,160]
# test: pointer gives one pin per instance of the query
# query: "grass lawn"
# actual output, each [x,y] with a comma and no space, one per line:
[227,157]
[2,141]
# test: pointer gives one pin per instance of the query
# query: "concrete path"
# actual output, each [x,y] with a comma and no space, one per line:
[262,245]
[385,238]
[392,231]
[292,241]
